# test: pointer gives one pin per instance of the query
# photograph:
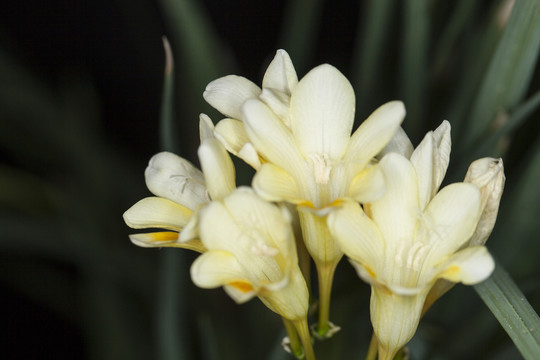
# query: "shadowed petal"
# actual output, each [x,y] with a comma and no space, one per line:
[227,94]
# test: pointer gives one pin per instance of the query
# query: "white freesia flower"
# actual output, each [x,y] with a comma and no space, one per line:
[181,189]
[251,252]
[401,244]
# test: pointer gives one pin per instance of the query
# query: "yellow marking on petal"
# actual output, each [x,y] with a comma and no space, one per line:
[370,271]
[244,287]
[163,236]
[451,272]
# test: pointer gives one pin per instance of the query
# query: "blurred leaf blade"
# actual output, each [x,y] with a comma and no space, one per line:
[510,70]
[171,305]
[368,52]
[413,74]
[300,23]
[511,308]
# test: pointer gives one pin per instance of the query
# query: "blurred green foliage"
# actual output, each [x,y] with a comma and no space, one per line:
[69,175]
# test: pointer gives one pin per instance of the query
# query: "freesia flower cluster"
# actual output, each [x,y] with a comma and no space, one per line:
[320,192]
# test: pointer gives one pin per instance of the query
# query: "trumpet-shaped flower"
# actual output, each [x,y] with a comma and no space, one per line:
[181,189]
[403,242]
[315,160]
[251,252]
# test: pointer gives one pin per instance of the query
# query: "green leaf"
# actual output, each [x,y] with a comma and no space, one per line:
[510,70]
[511,308]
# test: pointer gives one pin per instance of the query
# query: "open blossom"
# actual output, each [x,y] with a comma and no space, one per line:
[251,252]
[417,240]
[309,156]
[180,190]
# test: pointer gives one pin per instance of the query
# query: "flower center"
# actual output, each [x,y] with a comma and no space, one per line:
[322,167]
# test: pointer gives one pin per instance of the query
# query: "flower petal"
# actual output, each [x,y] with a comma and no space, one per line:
[218,168]
[227,94]
[206,127]
[278,102]
[369,185]
[232,134]
[322,112]
[469,266]
[423,159]
[217,268]
[488,175]
[174,178]
[449,220]
[272,138]
[431,160]
[375,132]
[251,229]
[396,212]
[399,143]
[165,239]
[357,235]
[443,144]
[274,184]
[155,212]
[280,74]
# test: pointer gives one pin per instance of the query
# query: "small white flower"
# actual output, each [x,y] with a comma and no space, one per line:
[181,189]
[405,241]
[251,252]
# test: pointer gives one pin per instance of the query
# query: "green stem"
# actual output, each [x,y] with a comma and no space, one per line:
[296,346]
[303,331]
[325,274]
[372,351]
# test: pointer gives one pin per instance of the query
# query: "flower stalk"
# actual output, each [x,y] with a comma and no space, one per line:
[303,331]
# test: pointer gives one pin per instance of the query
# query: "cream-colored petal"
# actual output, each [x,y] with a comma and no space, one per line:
[174,178]
[155,212]
[469,266]
[369,185]
[218,168]
[396,212]
[321,245]
[443,145]
[399,143]
[250,156]
[488,175]
[395,319]
[280,74]
[449,220]
[274,184]
[206,127]
[262,221]
[423,160]
[251,229]
[375,132]
[232,134]
[322,112]
[357,235]
[165,239]
[240,292]
[227,94]
[272,138]
[191,230]
[217,268]
[431,160]
[278,102]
